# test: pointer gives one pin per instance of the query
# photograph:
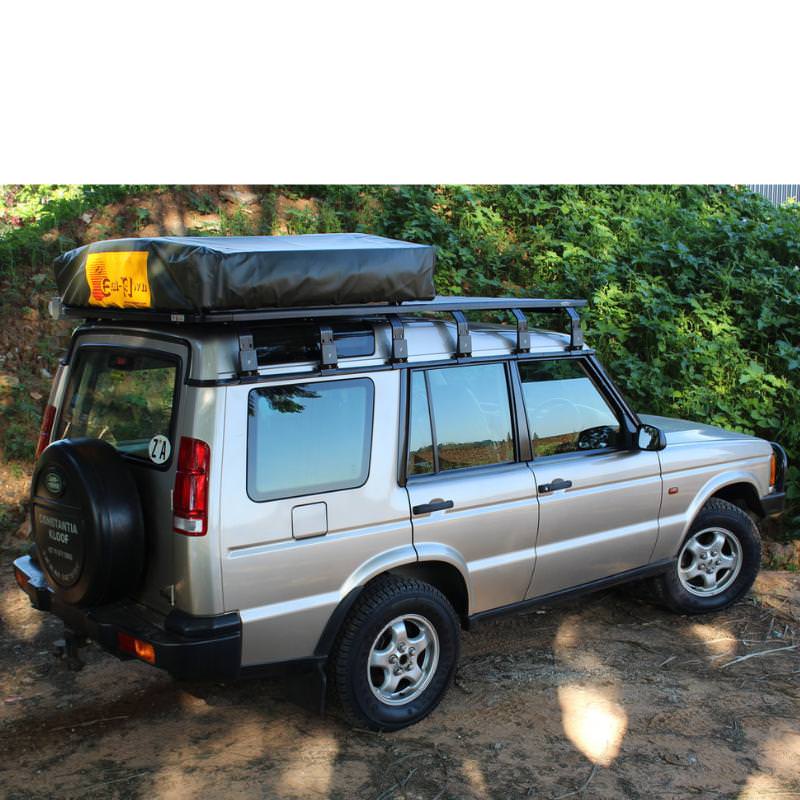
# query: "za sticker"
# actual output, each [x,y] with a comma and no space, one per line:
[159,449]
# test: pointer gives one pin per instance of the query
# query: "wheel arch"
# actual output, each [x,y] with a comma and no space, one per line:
[443,570]
[740,484]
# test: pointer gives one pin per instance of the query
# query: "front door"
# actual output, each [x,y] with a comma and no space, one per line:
[598,500]
[473,502]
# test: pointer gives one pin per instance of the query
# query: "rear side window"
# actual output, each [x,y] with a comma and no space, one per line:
[566,412]
[471,418]
[123,397]
[308,438]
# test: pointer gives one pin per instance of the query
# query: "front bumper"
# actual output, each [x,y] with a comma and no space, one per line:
[187,647]
[773,504]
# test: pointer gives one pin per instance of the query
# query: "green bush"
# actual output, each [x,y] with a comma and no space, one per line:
[694,291]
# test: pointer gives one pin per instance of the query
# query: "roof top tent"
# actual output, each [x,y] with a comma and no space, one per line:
[250,279]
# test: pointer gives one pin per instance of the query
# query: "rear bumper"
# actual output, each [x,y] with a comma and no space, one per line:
[187,647]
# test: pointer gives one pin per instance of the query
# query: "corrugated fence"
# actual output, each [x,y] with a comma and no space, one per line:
[777,193]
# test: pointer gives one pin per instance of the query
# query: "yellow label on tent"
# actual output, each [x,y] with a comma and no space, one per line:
[118,279]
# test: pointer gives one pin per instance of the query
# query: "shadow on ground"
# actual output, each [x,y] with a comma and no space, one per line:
[605,697]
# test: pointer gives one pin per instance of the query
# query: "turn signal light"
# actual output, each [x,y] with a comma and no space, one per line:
[190,495]
[773,471]
[136,647]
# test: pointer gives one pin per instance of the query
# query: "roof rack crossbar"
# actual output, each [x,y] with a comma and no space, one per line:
[320,312]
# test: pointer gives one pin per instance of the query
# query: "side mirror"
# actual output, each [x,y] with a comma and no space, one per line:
[651,438]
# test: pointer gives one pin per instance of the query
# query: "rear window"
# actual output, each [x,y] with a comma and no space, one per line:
[123,397]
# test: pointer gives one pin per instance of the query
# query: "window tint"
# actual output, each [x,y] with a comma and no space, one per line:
[120,396]
[308,438]
[471,415]
[420,439]
[566,413]
[288,343]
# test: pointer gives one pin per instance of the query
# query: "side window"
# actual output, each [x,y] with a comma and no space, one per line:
[308,438]
[566,413]
[471,416]
[420,436]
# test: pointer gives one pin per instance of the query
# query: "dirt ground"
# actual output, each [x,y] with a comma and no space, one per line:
[605,697]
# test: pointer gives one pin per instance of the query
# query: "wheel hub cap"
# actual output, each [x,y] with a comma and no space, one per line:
[709,562]
[403,659]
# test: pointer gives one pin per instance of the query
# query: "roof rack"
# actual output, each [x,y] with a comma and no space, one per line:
[456,306]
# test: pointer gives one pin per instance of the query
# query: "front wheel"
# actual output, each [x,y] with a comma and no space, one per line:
[396,654]
[717,563]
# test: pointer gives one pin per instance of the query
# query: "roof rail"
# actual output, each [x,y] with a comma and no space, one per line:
[457,306]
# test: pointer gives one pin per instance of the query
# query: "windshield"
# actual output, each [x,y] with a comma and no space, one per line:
[123,397]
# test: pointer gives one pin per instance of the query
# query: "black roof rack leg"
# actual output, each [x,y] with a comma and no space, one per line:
[463,338]
[575,330]
[329,359]
[399,343]
[248,358]
[523,334]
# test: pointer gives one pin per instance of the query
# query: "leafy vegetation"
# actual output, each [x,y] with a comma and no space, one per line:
[694,291]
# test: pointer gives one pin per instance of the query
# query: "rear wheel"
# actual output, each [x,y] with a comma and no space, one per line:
[717,563]
[396,654]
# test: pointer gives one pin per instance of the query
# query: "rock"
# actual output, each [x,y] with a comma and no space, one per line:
[24,530]
[86,217]
[45,373]
[242,196]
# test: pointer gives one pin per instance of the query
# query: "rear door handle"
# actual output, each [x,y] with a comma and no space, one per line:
[554,486]
[434,505]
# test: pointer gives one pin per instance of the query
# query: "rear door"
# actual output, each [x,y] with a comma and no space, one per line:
[598,501]
[473,501]
[126,390]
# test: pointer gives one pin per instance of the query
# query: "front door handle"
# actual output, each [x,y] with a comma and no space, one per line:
[434,505]
[554,486]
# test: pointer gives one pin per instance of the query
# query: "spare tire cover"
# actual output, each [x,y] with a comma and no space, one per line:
[87,522]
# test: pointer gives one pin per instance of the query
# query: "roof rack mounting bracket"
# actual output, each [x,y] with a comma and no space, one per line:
[327,348]
[575,330]
[523,334]
[399,342]
[248,357]
[463,337]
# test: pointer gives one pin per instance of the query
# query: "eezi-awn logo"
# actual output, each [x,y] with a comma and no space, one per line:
[54,483]
[118,279]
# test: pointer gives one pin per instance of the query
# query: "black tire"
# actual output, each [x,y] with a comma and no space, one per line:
[86,520]
[714,514]
[383,601]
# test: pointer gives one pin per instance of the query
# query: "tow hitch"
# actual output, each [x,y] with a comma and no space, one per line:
[67,649]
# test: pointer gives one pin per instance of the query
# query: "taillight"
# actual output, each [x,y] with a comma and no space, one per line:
[190,495]
[46,429]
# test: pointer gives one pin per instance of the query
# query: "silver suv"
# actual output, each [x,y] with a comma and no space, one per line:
[345,488]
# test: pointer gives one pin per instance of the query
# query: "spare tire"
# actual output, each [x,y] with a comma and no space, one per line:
[87,522]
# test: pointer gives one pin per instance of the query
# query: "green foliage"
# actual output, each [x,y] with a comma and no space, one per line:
[29,212]
[694,291]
